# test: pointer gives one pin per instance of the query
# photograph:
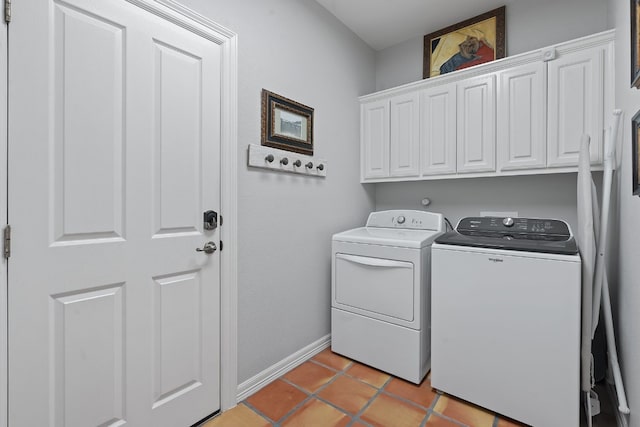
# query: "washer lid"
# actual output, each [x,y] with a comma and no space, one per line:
[403,238]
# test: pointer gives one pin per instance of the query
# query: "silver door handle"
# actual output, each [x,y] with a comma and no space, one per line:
[208,248]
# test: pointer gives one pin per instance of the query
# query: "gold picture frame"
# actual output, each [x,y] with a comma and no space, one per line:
[635,44]
[286,124]
[475,41]
[635,153]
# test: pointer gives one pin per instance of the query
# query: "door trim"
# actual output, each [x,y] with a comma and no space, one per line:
[4,368]
[227,40]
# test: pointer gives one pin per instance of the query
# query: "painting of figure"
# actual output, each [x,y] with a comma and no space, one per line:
[472,42]
[473,51]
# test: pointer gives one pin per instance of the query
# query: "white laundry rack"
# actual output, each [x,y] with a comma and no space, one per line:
[601,296]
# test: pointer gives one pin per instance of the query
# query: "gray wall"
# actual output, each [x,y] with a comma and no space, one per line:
[627,283]
[296,49]
[529,25]
[543,196]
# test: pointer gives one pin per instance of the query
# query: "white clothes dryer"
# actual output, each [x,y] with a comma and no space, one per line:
[380,294]
[506,318]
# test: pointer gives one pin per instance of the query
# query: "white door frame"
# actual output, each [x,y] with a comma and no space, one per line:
[227,40]
[3,220]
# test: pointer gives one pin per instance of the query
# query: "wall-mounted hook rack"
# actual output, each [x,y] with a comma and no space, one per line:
[286,161]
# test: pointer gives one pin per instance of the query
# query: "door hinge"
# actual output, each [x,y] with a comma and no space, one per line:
[7,242]
[7,11]
[221,245]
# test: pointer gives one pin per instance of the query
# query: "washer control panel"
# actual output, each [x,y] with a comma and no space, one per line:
[409,219]
[523,228]
[518,234]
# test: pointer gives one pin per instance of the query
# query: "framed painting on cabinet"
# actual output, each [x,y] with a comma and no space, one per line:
[475,41]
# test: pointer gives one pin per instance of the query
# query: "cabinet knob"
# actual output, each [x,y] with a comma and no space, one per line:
[309,165]
[269,158]
[284,161]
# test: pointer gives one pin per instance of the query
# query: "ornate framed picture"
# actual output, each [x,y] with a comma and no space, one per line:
[475,41]
[286,124]
[635,44]
[635,151]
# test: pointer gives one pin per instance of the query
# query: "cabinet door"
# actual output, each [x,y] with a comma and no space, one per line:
[575,106]
[404,133]
[374,148]
[522,135]
[438,130]
[476,125]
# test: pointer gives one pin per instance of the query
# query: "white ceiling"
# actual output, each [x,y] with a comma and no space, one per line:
[384,23]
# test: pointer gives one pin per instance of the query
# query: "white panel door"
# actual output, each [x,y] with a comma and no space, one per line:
[576,94]
[374,134]
[438,130]
[522,103]
[476,125]
[114,155]
[404,128]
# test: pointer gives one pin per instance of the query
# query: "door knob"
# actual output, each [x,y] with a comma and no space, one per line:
[208,248]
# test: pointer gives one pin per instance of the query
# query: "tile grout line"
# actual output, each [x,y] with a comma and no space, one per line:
[257,411]
[310,395]
[430,410]
[379,390]
[410,402]
[356,417]
[293,410]
[374,397]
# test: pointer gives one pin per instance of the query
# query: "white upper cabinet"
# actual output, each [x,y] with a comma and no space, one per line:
[576,82]
[374,131]
[522,102]
[476,128]
[519,115]
[404,135]
[438,130]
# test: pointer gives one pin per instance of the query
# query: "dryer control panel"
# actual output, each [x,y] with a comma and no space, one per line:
[409,219]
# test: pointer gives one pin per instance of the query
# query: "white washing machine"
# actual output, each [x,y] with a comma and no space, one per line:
[380,291]
[506,297]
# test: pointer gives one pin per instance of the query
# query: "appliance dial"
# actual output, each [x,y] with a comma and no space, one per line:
[401,219]
[508,222]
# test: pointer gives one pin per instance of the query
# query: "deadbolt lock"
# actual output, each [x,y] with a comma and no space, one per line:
[210,220]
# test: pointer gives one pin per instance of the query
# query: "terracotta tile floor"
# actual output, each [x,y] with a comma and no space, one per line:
[330,390]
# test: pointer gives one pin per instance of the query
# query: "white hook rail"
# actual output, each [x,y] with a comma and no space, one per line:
[286,161]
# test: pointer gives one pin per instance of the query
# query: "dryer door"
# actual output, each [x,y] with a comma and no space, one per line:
[378,282]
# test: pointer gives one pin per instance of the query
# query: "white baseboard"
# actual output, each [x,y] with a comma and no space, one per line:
[275,371]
